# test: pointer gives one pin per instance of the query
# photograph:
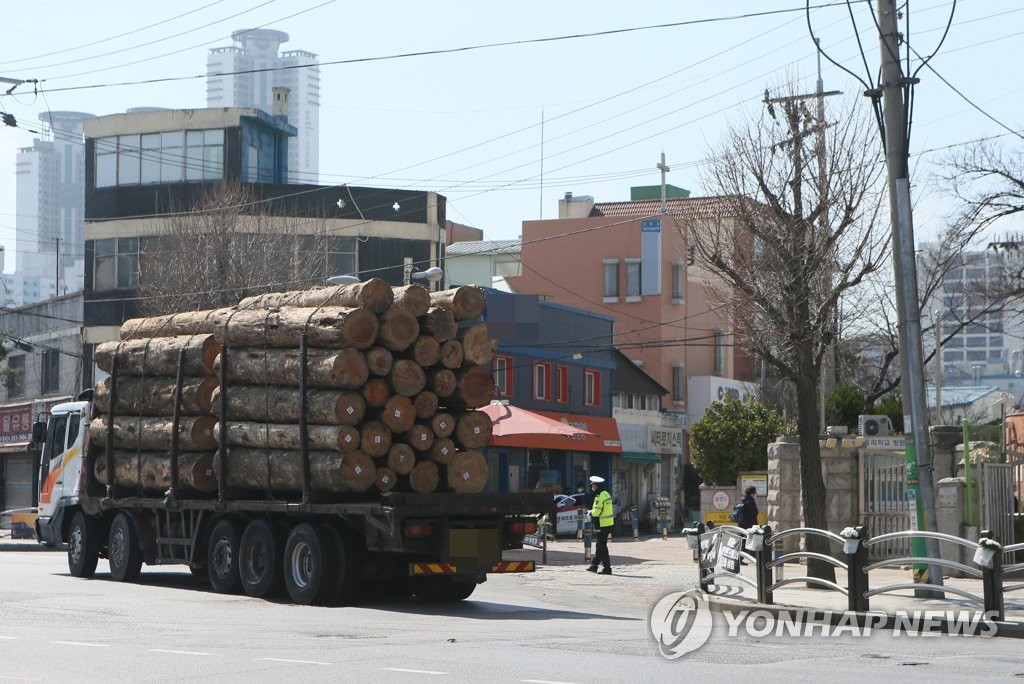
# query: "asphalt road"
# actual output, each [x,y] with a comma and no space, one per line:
[560,624]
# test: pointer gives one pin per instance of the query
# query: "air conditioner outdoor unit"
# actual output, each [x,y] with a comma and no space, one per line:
[873,426]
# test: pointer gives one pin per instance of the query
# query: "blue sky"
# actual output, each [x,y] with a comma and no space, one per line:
[467,123]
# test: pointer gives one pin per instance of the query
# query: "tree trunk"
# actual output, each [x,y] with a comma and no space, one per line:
[376,392]
[407,377]
[424,477]
[379,360]
[153,434]
[443,424]
[386,479]
[467,472]
[281,405]
[401,458]
[474,388]
[413,298]
[473,429]
[465,302]
[426,351]
[184,323]
[442,382]
[419,437]
[279,470]
[398,413]
[440,323]
[477,345]
[812,482]
[398,329]
[154,396]
[442,451]
[373,294]
[425,404]
[159,355]
[375,438]
[344,438]
[329,328]
[341,369]
[151,470]
[452,355]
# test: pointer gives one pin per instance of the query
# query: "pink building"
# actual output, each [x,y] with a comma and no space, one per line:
[629,260]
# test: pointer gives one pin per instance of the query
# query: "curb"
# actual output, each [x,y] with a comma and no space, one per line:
[1009,629]
[26,546]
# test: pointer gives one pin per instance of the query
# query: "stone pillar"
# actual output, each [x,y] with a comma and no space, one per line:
[842,490]
[785,508]
[950,506]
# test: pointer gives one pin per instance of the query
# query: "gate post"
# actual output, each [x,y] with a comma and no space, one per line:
[705,584]
[856,578]
[763,573]
[992,581]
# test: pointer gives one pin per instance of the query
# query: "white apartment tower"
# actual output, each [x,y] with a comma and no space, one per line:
[50,223]
[245,74]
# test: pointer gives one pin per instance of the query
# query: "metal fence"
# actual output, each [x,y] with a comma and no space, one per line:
[884,506]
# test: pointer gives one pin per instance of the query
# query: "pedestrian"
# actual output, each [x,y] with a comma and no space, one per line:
[749,508]
[602,517]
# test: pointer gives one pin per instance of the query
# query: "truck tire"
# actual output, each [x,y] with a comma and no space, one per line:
[123,551]
[458,591]
[222,557]
[441,589]
[310,564]
[261,564]
[348,578]
[83,545]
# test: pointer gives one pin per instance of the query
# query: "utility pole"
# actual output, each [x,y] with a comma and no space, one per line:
[664,169]
[915,423]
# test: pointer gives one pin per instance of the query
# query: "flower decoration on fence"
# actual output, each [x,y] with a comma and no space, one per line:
[851,539]
[985,554]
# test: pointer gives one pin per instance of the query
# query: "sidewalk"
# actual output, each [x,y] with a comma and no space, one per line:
[736,595]
[8,544]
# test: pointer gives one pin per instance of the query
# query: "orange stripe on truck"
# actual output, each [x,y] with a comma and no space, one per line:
[513,566]
[433,569]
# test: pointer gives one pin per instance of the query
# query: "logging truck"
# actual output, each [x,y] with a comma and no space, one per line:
[322,444]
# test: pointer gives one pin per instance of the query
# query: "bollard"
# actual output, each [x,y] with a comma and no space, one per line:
[634,515]
[992,582]
[587,540]
[705,584]
[665,524]
[856,578]
[763,573]
[579,525]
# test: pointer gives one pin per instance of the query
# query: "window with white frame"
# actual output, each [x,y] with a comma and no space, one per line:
[542,381]
[502,375]
[562,384]
[719,352]
[167,157]
[632,278]
[678,281]
[592,387]
[611,278]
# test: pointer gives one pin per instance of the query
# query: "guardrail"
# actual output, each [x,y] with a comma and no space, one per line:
[990,570]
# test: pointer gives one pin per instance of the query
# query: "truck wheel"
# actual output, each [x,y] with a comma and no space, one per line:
[351,556]
[458,591]
[222,557]
[310,564]
[83,545]
[441,589]
[123,550]
[261,567]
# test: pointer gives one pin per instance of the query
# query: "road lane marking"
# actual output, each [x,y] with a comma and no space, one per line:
[401,669]
[78,643]
[173,652]
[298,662]
[9,637]
[545,681]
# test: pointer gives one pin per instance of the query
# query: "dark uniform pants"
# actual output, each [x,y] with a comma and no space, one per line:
[601,554]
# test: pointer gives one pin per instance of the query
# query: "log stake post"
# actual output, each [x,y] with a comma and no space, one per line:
[222,449]
[303,416]
[109,451]
[175,419]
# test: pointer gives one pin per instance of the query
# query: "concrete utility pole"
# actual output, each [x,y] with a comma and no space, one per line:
[915,421]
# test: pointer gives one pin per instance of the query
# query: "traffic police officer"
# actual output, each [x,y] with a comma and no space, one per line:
[602,517]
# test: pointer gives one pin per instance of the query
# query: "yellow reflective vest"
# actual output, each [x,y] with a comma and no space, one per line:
[602,514]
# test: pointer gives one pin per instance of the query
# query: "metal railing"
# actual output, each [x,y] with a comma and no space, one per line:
[858,590]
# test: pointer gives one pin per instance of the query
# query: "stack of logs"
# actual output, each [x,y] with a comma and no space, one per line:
[392,378]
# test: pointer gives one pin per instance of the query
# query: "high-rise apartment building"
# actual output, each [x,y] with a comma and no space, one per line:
[50,180]
[245,74]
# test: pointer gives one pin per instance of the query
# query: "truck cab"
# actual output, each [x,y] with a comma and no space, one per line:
[60,465]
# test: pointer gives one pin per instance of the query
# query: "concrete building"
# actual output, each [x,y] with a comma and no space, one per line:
[245,75]
[146,167]
[50,178]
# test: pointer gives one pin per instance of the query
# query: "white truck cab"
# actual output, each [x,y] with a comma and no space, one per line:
[60,466]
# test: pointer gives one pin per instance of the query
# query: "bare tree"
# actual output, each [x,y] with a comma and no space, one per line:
[228,247]
[802,230]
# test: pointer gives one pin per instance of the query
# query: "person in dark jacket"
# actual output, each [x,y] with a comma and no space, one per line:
[749,508]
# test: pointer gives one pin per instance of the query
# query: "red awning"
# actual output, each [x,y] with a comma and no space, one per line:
[518,427]
[605,432]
